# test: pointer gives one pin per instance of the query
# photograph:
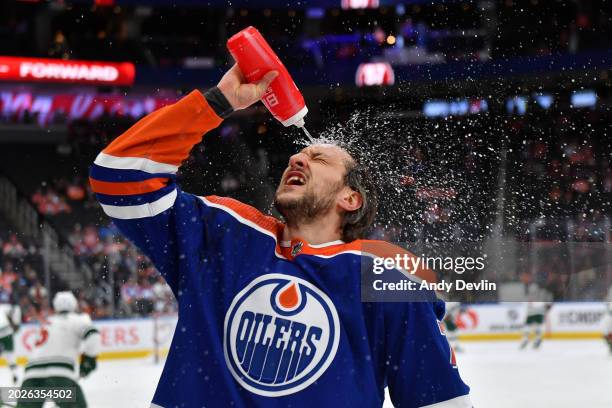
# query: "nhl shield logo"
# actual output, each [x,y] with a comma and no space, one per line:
[297,248]
[280,335]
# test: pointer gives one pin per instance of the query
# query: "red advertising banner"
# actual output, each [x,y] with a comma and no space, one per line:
[374,73]
[73,71]
[47,109]
[359,4]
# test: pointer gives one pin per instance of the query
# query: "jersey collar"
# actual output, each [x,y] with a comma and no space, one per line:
[298,246]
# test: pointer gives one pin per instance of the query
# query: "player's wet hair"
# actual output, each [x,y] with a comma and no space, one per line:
[359,179]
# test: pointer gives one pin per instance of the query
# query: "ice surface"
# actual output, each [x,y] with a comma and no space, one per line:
[115,383]
[562,374]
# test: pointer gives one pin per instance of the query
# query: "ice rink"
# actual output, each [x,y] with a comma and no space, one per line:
[562,374]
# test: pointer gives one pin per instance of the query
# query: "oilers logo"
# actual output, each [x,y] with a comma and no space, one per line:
[281,333]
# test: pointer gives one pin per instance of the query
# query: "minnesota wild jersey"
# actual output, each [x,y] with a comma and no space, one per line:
[60,342]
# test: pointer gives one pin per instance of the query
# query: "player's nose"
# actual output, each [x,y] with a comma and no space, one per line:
[298,161]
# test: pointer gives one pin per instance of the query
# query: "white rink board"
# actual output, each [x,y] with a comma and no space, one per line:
[578,317]
[125,338]
[120,338]
[574,318]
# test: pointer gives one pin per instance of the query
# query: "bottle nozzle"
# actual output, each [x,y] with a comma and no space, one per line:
[297,119]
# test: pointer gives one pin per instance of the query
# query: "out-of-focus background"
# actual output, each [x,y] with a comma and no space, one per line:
[495,117]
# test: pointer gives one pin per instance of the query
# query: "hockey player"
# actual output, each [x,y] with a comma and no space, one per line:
[534,323]
[608,326]
[269,312]
[453,309]
[10,320]
[67,349]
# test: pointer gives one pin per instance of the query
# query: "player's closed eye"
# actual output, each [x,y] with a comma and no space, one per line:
[318,157]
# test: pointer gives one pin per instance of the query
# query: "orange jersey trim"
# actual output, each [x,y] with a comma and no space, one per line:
[250,213]
[275,227]
[168,134]
[363,246]
[127,188]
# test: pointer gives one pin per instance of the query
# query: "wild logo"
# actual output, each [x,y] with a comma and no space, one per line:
[281,333]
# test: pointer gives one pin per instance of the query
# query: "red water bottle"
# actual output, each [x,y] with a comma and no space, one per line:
[255,58]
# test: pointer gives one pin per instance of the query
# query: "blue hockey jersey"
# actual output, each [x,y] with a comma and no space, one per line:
[262,322]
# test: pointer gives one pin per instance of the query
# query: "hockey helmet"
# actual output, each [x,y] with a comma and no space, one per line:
[65,302]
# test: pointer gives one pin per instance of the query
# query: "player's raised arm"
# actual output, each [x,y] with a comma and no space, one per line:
[422,370]
[134,177]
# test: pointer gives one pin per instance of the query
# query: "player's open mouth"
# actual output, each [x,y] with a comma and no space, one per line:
[295,178]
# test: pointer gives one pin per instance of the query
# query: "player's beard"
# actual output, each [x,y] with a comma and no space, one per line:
[306,208]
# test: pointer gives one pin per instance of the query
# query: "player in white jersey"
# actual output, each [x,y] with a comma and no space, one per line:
[608,326]
[534,324]
[67,349]
[453,309]
[10,319]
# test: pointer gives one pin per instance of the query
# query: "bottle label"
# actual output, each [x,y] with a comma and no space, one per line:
[269,98]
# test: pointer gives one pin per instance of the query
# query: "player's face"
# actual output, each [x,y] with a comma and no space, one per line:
[312,182]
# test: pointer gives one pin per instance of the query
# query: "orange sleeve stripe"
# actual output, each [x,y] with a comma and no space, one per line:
[127,188]
[249,213]
[168,134]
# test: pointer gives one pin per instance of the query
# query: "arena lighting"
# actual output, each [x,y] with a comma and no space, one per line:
[478,105]
[73,71]
[544,100]
[359,4]
[583,99]
[374,73]
[517,104]
[460,107]
[315,13]
[433,109]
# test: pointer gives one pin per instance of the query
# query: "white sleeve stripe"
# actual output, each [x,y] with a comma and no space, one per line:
[129,212]
[134,163]
[459,402]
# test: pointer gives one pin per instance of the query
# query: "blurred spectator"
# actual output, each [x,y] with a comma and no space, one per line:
[49,202]
[38,294]
[129,294]
[164,298]
[13,248]
[7,277]
[75,190]
[59,47]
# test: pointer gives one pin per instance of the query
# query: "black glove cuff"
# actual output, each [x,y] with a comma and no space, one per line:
[218,102]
